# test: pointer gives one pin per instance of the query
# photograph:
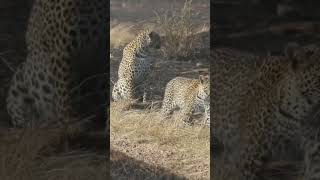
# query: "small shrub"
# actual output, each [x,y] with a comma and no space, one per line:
[178,29]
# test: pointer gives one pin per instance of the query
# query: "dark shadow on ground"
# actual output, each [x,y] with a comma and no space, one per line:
[125,167]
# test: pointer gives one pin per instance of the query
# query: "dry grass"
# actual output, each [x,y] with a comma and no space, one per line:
[142,135]
[179,31]
[36,154]
[120,34]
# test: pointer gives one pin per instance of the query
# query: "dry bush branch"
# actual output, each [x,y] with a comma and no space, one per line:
[179,30]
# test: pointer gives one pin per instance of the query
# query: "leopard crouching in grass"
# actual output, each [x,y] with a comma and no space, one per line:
[264,109]
[66,42]
[187,95]
[135,67]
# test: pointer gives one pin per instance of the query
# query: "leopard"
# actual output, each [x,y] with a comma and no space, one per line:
[65,43]
[136,66]
[188,95]
[265,109]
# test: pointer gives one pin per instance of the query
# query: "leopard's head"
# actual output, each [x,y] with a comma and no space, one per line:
[154,40]
[205,85]
[301,92]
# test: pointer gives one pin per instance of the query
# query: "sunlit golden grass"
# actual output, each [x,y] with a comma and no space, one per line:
[183,149]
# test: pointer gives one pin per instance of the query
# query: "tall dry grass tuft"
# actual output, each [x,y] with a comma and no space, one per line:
[179,30]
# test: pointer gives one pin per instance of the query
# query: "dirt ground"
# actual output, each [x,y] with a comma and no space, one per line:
[138,134]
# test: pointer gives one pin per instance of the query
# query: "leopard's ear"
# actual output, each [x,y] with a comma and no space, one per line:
[155,39]
[292,51]
[203,78]
[152,34]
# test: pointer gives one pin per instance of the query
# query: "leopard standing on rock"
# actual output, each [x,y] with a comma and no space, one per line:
[264,108]
[66,42]
[187,94]
[135,67]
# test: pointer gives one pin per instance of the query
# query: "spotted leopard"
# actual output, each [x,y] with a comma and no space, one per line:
[264,109]
[66,42]
[135,67]
[188,95]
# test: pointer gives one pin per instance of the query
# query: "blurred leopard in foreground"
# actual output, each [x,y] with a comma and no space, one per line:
[264,108]
[187,94]
[66,43]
